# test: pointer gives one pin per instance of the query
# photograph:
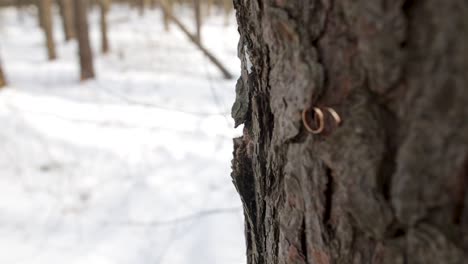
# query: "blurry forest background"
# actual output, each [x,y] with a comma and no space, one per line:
[115,144]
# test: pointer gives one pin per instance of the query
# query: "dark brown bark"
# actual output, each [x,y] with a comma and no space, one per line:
[104,7]
[82,34]
[389,185]
[45,15]
[66,12]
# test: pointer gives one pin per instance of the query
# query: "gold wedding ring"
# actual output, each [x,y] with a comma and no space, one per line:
[317,114]
[335,115]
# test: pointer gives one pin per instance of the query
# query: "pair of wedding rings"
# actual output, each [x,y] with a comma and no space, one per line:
[319,116]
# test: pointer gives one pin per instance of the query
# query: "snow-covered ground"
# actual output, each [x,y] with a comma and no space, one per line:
[130,168]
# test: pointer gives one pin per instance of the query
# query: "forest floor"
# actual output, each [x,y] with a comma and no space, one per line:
[130,168]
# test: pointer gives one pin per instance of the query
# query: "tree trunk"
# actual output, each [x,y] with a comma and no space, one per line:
[90,4]
[20,10]
[45,15]
[153,4]
[141,7]
[66,12]
[209,6]
[2,76]
[227,5]
[197,9]
[39,14]
[166,18]
[104,6]
[84,47]
[389,184]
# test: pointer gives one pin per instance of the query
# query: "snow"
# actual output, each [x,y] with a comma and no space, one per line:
[132,167]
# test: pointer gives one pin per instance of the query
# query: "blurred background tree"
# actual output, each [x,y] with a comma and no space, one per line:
[2,75]
[104,8]
[45,18]
[66,13]
[82,33]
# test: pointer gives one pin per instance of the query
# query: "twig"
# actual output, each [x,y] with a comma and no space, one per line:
[195,40]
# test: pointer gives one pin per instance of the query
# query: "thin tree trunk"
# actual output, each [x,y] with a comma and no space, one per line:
[227,4]
[66,12]
[153,4]
[2,76]
[209,6]
[104,6]
[90,4]
[84,46]
[40,19]
[166,18]
[198,22]
[45,11]
[390,184]
[20,10]
[141,7]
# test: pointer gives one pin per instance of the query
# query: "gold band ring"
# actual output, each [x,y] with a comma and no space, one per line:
[319,115]
[335,115]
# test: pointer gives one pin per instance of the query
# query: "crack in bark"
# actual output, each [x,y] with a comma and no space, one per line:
[460,194]
[304,240]
[328,200]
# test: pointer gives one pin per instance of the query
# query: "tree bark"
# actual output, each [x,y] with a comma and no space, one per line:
[104,6]
[45,15]
[390,184]
[66,12]
[84,46]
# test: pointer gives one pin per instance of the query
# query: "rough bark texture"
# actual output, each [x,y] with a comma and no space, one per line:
[104,8]
[389,185]
[66,12]
[84,47]
[45,15]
